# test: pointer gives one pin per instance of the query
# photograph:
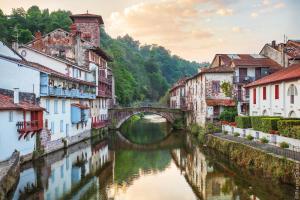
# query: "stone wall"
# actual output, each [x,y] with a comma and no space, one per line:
[9,174]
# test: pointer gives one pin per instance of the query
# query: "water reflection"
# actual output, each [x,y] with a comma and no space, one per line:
[145,162]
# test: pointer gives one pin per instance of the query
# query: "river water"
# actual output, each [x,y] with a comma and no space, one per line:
[144,161]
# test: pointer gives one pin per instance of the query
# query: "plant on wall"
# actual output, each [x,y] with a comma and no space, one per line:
[227,88]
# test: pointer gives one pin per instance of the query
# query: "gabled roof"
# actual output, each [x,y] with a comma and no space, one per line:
[179,83]
[6,103]
[292,48]
[211,70]
[87,15]
[286,74]
[102,53]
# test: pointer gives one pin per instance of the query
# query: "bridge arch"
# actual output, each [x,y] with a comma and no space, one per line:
[119,115]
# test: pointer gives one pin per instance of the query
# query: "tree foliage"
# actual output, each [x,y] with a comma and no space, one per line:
[142,72]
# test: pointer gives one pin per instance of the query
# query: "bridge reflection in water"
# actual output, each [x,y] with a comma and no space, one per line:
[145,162]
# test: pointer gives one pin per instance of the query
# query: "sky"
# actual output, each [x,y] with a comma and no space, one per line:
[193,29]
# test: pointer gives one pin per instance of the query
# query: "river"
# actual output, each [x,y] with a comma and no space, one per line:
[145,160]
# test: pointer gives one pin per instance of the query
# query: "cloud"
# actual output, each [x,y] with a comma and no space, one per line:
[254,14]
[266,6]
[236,29]
[225,11]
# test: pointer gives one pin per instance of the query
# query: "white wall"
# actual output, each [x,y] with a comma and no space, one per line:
[275,107]
[15,76]
[9,136]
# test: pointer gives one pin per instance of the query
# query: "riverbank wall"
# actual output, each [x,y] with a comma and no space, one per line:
[9,174]
[269,165]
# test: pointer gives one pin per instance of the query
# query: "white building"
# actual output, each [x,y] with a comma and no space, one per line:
[204,96]
[276,94]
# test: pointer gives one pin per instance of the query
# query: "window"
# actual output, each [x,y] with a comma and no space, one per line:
[62,171]
[254,95]
[292,92]
[11,116]
[276,91]
[56,106]
[264,93]
[61,126]
[63,106]
[48,106]
[215,86]
[52,127]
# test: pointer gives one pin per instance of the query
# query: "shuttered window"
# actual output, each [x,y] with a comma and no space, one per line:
[276,91]
[254,95]
[264,93]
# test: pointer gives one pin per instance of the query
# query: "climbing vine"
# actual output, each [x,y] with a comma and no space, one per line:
[227,88]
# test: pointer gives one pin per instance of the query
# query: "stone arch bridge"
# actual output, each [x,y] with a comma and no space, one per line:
[118,116]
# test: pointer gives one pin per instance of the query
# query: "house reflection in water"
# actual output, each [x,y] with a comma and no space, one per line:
[207,182]
[65,175]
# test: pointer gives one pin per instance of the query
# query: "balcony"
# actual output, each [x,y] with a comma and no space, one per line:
[105,93]
[243,79]
[100,124]
[67,93]
[103,79]
[29,126]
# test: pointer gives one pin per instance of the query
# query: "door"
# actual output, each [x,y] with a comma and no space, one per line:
[242,74]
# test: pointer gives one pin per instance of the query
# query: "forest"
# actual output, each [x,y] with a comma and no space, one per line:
[143,72]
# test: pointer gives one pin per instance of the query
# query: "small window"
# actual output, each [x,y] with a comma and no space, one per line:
[56,106]
[292,92]
[11,115]
[52,127]
[264,93]
[215,86]
[63,109]
[61,126]
[48,106]
[254,95]
[276,91]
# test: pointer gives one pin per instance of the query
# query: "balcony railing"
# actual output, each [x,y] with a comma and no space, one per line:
[243,79]
[100,124]
[105,93]
[73,93]
[29,126]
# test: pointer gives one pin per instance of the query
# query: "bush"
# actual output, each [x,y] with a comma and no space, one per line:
[264,140]
[269,124]
[195,129]
[284,145]
[243,121]
[225,132]
[289,128]
[228,115]
[212,128]
[235,134]
[249,137]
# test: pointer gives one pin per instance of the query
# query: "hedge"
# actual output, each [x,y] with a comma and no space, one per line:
[289,128]
[228,115]
[243,121]
[256,122]
[269,124]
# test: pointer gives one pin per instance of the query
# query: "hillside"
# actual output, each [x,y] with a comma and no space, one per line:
[142,72]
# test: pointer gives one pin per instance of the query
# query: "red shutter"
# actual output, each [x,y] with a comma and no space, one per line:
[254,95]
[264,93]
[276,91]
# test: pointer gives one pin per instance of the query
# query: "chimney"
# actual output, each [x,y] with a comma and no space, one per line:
[274,43]
[16,95]
[73,29]
[38,38]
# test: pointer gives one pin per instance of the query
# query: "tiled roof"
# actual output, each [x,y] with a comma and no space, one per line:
[289,73]
[221,69]
[220,102]
[248,60]
[179,83]
[87,15]
[6,103]
[293,48]
[102,53]
[47,70]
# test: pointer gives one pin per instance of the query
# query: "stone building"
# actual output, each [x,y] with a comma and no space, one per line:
[205,99]
[177,94]
[284,54]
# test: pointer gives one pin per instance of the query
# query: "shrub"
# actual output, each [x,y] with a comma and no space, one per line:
[264,140]
[228,115]
[256,122]
[269,124]
[249,137]
[284,145]
[235,134]
[289,128]
[225,132]
[195,129]
[212,128]
[243,121]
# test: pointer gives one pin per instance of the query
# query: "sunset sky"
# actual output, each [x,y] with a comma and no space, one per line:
[192,29]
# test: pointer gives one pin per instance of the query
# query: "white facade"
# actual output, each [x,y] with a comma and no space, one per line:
[283,106]
[9,136]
